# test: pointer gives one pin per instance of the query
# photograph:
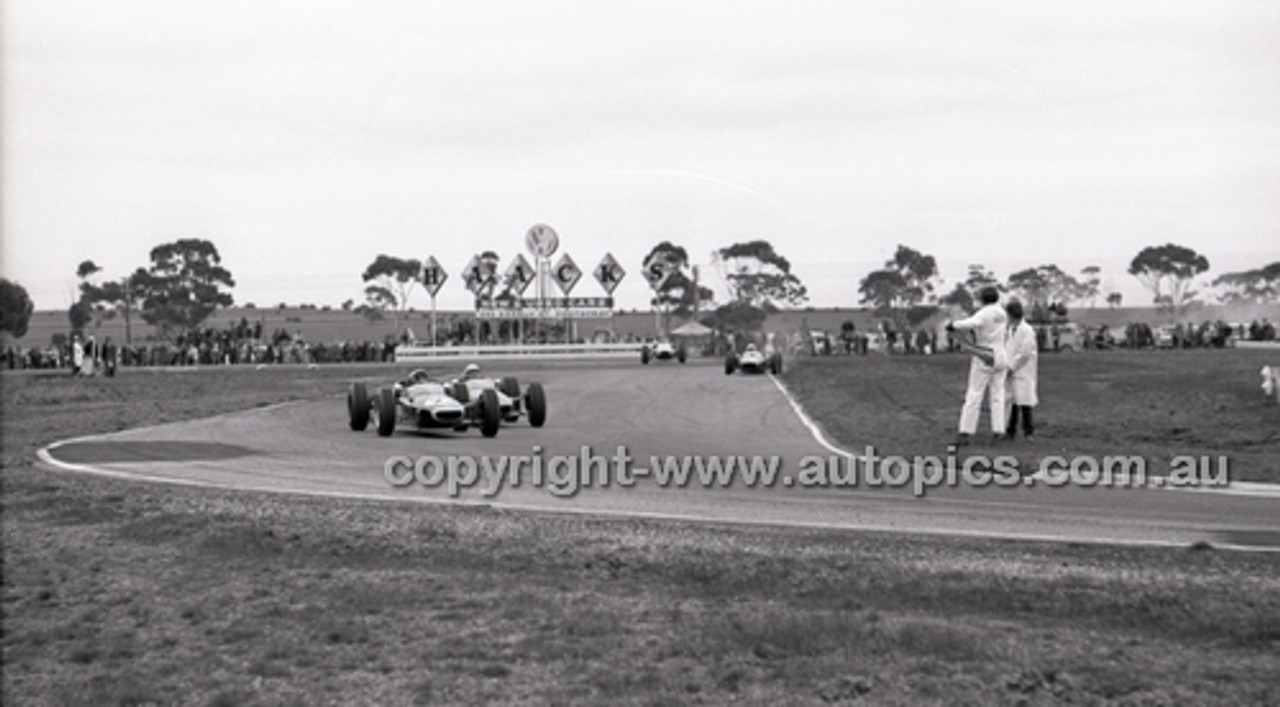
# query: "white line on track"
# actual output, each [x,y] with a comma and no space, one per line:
[54,463]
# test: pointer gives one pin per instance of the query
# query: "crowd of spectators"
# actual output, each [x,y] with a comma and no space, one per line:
[245,343]
[241,343]
[1215,334]
[1050,336]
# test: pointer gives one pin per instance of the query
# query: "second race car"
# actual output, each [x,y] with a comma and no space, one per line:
[663,351]
[753,360]
[425,402]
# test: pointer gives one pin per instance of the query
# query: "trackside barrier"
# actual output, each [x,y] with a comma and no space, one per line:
[410,354]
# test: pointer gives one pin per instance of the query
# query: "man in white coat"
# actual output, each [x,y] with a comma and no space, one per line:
[77,355]
[1020,393]
[987,369]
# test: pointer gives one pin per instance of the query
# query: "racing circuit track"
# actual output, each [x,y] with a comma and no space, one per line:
[661,409]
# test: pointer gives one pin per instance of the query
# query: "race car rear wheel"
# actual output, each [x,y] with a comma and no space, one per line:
[490,412]
[460,393]
[730,364]
[386,404]
[537,402]
[775,364]
[358,407]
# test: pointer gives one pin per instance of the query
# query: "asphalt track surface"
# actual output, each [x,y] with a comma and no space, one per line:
[662,409]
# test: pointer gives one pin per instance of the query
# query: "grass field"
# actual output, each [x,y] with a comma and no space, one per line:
[128,594]
[1154,404]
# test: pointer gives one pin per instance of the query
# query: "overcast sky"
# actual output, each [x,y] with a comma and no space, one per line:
[305,138]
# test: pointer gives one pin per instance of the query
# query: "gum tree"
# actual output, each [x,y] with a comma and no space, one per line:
[1169,271]
[391,281]
[184,285]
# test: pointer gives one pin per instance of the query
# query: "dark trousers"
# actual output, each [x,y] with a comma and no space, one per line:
[1024,412]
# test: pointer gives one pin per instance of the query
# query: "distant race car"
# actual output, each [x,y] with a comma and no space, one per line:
[425,402]
[663,351]
[752,360]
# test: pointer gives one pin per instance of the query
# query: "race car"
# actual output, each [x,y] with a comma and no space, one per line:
[753,360]
[663,351]
[425,402]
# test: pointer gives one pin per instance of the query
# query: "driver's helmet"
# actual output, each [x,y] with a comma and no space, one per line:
[416,376]
[471,371]
[751,347]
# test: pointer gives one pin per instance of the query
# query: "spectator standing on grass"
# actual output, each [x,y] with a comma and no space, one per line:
[923,343]
[91,356]
[77,355]
[109,357]
[987,368]
[1020,388]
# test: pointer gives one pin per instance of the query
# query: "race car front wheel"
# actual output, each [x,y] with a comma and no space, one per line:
[490,413]
[730,365]
[358,407]
[537,402]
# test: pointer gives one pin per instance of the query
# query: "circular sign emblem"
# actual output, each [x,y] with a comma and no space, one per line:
[541,240]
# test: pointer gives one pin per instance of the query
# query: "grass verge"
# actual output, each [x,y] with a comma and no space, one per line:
[1158,405]
[118,593]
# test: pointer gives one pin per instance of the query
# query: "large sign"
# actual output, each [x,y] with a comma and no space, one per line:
[549,308]
[541,240]
[609,273]
[433,275]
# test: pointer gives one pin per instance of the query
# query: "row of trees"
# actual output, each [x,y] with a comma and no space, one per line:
[904,289]
[758,279]
[185,282]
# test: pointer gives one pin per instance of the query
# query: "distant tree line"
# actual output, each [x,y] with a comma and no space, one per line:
[185,282]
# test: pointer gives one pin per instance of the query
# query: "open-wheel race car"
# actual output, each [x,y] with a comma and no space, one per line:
[425,402]
[663,351]
[753,360]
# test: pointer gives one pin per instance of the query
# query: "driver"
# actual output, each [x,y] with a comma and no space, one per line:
[415,376]
[471,371]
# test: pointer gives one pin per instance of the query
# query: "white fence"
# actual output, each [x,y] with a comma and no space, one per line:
[410,354]
[1249,344]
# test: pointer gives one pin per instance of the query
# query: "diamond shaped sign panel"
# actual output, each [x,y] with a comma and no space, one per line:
[433,275]
[566,273]
[478,274]
[609,273]
[656,271]
[519,274]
